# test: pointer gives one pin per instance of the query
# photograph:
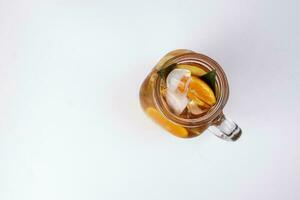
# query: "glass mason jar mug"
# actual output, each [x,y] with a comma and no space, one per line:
[185,94]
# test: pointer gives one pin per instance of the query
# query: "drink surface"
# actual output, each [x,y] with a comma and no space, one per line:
[185,92]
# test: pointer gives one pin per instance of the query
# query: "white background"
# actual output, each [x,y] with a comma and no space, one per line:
[71,126]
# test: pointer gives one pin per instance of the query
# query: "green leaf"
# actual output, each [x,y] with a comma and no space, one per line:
[164,72]
[210,79]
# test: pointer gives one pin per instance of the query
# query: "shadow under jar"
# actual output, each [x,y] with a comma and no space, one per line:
[156,107]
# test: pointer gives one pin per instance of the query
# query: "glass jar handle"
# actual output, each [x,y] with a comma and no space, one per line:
[225,128]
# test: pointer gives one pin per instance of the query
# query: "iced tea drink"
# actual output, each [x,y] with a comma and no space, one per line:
[185,94]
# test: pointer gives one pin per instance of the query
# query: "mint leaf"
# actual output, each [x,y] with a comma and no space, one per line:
[210,79]
[164,72]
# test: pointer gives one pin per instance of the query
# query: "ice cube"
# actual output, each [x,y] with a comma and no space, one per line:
[179,80]
[176,101]
[177,86]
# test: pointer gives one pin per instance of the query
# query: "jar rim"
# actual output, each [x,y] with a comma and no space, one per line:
[221,81]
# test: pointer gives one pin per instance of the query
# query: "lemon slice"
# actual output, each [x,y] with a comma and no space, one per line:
[196,71]
[195,109]
[166,124]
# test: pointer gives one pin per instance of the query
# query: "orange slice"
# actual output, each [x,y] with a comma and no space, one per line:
[193,95]
[166,124]
[201,93]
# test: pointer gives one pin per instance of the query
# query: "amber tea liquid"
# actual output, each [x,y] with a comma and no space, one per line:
[191,111]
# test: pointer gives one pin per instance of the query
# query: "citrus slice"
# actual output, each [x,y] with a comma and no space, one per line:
[195,109]
[196,71]
[193,96]
[200,92]
[166,124]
